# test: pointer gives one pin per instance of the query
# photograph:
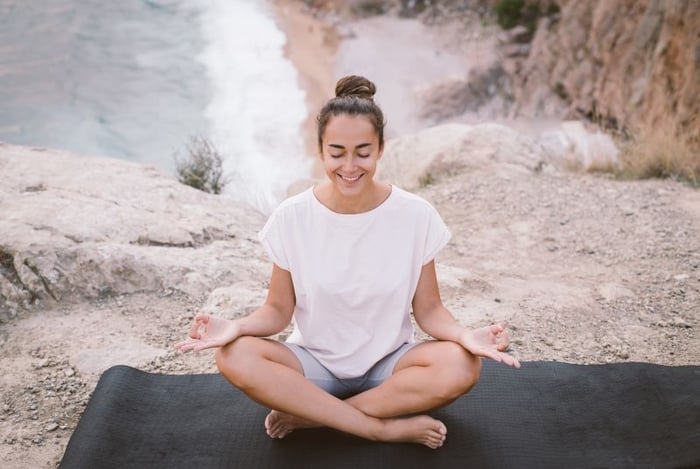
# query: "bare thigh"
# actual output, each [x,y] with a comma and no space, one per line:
[244,351]
[443,355]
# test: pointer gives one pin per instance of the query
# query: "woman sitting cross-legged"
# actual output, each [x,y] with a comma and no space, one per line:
[352,257]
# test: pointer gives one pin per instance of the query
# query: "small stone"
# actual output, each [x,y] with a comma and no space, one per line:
[52,427]
[69,372]
[681,277]
[680,322]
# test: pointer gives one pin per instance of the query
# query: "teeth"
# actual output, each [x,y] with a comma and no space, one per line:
[350,179]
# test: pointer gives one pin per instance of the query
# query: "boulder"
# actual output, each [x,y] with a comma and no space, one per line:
[85,227]
[425,157]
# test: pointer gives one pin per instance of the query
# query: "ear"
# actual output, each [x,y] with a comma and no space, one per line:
[381,152]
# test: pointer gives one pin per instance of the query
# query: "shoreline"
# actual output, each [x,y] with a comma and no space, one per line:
[312,47]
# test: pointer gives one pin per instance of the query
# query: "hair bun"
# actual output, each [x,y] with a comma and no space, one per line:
[354,85]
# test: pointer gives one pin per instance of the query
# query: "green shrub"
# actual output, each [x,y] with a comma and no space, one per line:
[367,8]
[202,168]
[509,12]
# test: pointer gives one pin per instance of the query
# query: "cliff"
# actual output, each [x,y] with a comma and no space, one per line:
[629,64]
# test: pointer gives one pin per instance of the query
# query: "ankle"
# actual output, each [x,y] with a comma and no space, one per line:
[379,431]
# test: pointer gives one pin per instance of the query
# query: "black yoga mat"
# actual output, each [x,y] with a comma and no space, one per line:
[544,415]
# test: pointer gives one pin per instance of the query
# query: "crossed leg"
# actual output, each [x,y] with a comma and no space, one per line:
[430,375]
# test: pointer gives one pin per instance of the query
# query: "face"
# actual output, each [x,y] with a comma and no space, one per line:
[350,151]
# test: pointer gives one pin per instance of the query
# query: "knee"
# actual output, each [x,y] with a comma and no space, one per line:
[236,360]
[462,370]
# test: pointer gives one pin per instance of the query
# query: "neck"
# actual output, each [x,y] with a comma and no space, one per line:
[365,201]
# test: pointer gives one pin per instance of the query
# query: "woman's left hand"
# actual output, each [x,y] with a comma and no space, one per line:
[490,342]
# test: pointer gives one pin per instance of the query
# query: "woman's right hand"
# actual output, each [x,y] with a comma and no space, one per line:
[209,331]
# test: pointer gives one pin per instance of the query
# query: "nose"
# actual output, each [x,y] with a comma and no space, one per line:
[349,163]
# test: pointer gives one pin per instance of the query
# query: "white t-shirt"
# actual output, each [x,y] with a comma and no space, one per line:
[354,275]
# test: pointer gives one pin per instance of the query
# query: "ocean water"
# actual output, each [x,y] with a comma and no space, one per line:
[136,79]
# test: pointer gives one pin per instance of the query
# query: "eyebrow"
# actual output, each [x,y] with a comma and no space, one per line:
[341,147]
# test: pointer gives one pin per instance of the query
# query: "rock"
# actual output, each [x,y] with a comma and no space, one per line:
[454,97]
[426,157]
[89,233]
[51,427]
[625,63]
[235,300]
[572,145]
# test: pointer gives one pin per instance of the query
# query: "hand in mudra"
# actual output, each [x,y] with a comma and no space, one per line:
[209,331]
[490,342]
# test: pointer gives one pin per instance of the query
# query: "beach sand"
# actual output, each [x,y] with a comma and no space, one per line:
[402,56]
[311,46]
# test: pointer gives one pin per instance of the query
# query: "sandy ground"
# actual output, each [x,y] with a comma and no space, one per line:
[584,269]
[312,46]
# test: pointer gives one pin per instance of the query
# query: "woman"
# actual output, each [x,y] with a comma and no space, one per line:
[351,258]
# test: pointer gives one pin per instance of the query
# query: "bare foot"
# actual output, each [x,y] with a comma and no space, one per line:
[279,424]
[421,429]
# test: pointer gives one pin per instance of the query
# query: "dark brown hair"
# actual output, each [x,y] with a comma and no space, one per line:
[354,95]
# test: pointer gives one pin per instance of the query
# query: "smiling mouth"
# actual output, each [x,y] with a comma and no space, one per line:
[347,179]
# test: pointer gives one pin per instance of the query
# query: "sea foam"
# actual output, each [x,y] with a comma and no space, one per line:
[256,109]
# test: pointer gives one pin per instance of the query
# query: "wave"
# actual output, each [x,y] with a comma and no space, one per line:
[257,109]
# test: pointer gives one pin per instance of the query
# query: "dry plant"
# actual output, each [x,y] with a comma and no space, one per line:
[202,169]
[663,150]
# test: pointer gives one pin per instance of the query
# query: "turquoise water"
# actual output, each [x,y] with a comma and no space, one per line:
[135,79]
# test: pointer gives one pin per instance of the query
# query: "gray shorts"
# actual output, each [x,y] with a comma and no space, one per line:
[344,388]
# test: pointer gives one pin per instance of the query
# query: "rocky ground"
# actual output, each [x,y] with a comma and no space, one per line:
[583,268]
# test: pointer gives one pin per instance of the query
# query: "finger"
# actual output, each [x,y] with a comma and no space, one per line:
[491,355]
[510,360]
[194,329]
[182,343]
[204,345]
[185,346]
[201,319]
[501,358]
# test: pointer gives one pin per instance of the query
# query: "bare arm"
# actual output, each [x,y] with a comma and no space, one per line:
[276,313]
[432,316]
[273,316]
